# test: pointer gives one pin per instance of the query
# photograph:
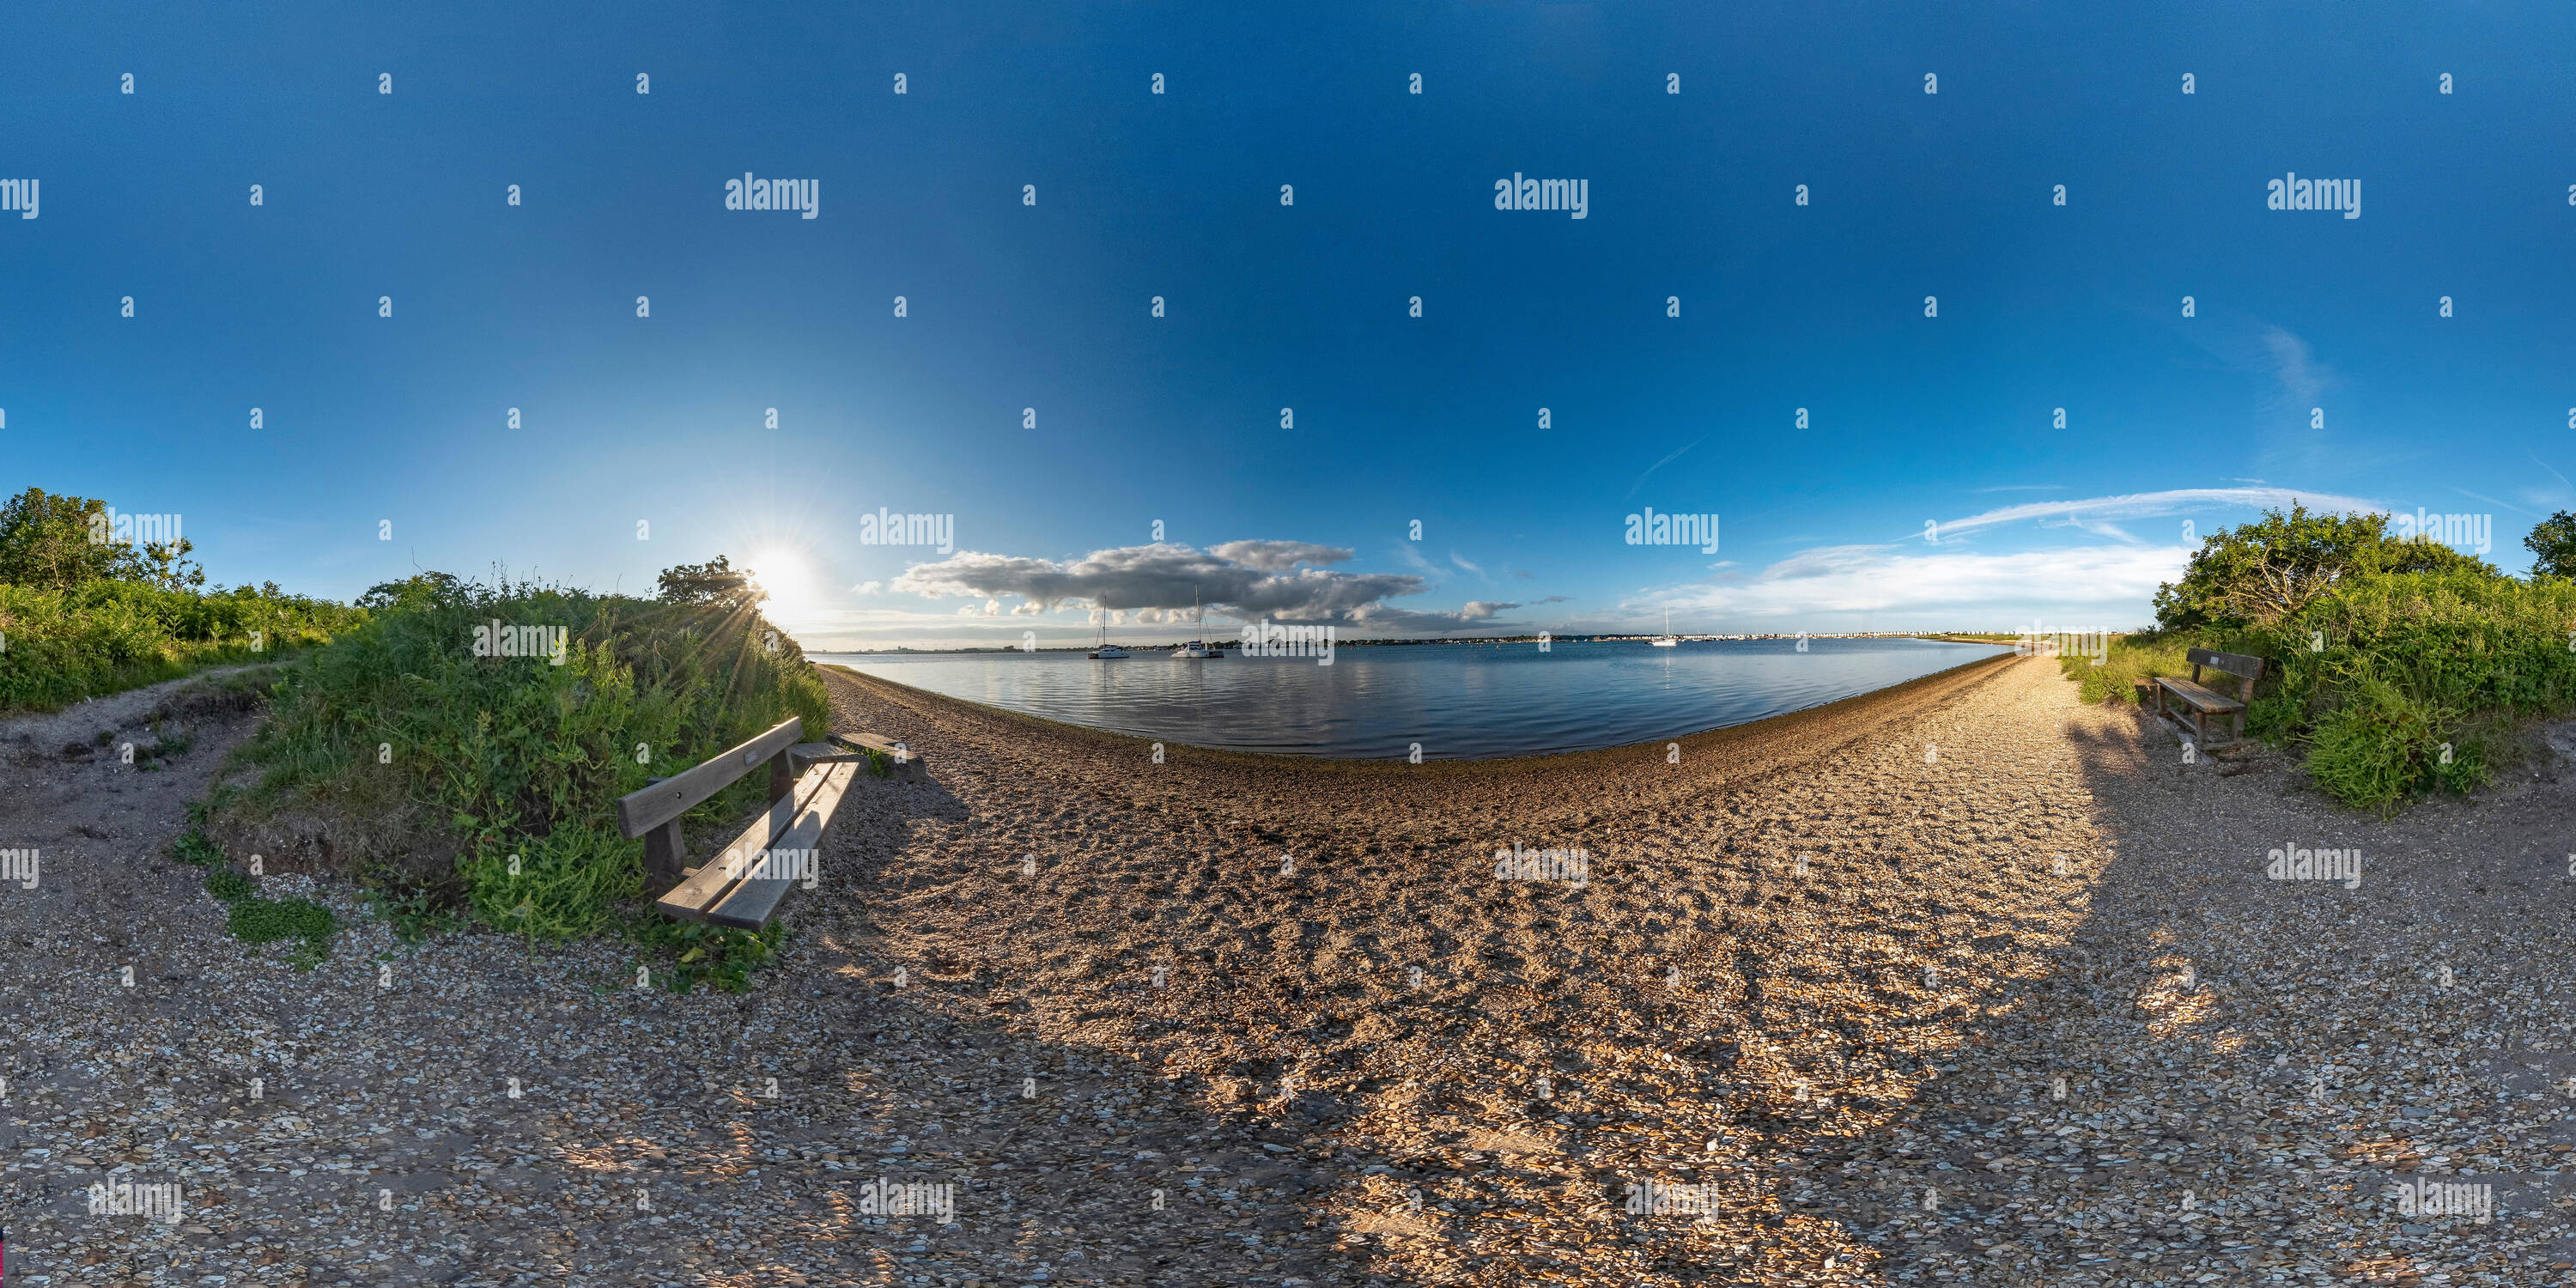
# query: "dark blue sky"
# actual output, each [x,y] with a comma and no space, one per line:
[1012,306]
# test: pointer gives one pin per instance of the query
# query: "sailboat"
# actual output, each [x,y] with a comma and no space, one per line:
[1195,648]
[1667,639]
[1107,651]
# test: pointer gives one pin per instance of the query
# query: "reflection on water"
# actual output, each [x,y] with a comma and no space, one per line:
[1458,701]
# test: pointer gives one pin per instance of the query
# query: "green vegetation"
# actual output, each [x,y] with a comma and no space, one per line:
[2400,672]
[2552,544]
[518,761]
[2128,659]
[255,920]
[83,618]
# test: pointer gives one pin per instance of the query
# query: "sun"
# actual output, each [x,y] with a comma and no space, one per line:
[788,578]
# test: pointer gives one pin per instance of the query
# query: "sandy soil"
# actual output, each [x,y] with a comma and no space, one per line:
[1161,1023]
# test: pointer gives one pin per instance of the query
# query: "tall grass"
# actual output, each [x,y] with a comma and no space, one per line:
[520,760]
[58,647]
[2395,685]
[2129,658]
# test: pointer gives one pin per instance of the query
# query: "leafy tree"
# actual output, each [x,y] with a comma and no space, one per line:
[420,590]
[716,581]
[167,565]
[2257,573]
[59,542]
[2552,544]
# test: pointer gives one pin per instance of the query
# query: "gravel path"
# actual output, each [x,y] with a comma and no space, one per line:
[1162,1023]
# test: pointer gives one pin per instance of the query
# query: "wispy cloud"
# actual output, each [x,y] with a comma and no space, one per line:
[1650,470]
[2103,581]
[2095,513]
[2302,378]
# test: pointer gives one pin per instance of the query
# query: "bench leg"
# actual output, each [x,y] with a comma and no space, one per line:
[662,855]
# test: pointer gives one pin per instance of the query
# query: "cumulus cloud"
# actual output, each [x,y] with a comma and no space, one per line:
[1278,556]
[1159,582]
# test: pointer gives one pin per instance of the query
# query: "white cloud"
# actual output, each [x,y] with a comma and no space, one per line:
[1958,585]
[2094,513]
[1278,556]
[1167,579]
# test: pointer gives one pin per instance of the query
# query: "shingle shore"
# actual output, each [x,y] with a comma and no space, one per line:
[1161,1023]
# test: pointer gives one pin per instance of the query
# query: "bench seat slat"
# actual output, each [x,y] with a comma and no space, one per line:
[2200,698]
[751,904]
[910,766]
[690,900]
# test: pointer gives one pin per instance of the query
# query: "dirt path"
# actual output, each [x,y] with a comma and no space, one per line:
[1161,1023]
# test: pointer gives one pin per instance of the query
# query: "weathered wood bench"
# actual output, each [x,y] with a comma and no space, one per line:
[2200,702]
[744,886]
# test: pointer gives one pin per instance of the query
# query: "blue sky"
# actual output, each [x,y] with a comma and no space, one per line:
[663,420]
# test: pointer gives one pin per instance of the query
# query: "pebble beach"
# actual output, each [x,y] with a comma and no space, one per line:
[1957,982]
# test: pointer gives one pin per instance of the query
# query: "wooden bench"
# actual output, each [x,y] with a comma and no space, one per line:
[738,888]
[2202,703]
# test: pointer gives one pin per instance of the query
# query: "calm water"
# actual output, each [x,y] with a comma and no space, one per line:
[1458,701]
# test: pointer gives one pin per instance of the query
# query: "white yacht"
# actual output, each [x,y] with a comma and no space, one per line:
[1667,639]
[1195,648]
[1105,650]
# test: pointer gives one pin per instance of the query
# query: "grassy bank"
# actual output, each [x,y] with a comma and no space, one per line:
[514,763]
[61,646]
[2393,685]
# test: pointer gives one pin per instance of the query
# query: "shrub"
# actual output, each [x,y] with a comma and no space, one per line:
[226,882]
[2397,684]
[2256,574]
[520,761]
[103,637]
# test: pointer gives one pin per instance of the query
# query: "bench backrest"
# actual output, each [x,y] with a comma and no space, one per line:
[643,811]
[2246,668]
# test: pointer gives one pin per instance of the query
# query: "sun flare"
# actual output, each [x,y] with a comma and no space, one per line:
[788,578]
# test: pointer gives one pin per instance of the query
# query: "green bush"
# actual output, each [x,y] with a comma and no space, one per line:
[264,921]
[101,637]
[522,758]
[193,849]
[2397,684]
[2128,658]
[226,882]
